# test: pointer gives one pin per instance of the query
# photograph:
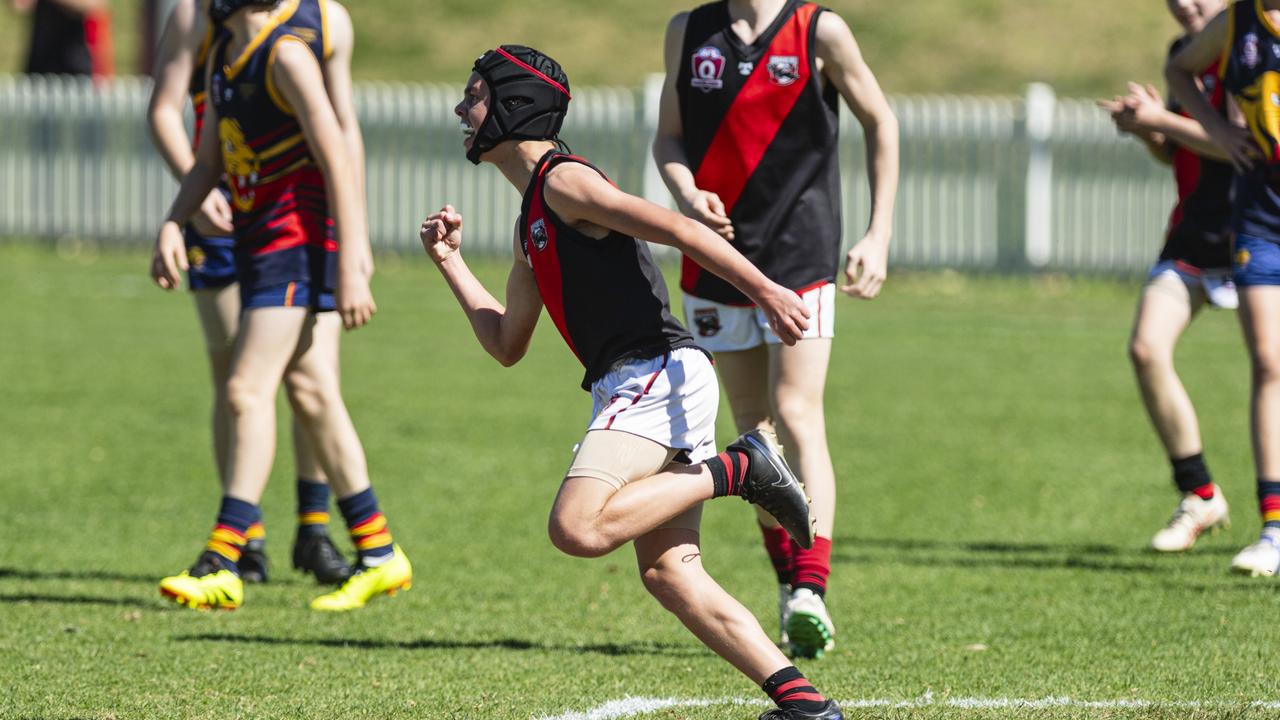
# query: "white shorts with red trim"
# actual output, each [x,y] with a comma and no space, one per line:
[728,328]
[671,399]
[1214,285]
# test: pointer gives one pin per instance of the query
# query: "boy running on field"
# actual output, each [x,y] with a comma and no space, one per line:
[648,459]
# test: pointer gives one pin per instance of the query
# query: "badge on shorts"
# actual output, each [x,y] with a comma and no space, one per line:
[707,320]
[196,257]
[1242,258]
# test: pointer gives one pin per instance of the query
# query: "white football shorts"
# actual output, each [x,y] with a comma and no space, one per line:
[729,328]
[1214,286]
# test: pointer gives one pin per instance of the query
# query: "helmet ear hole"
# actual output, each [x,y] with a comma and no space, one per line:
[515,103]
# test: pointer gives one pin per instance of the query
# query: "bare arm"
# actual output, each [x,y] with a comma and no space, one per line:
[581,197]
[842,64]
[169,255]
[668,144]
[175,63]
[301,83]
[1181,72]
[503,331]
[337,77]
[1143,114]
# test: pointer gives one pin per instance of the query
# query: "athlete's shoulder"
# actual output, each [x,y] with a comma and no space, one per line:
[1178,43]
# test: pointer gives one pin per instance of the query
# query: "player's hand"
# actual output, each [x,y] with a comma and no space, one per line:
[866,267]
[1143,108]
[785,311]
[1115,107]
[169,257]
[708,209]
[441,233]
[214,217]
[354,299]
[1239,145]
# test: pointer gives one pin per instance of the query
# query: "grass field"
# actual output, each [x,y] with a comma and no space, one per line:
[1082,47]
[998,485]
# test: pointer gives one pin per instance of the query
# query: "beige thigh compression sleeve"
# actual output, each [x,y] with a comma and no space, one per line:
[616,458]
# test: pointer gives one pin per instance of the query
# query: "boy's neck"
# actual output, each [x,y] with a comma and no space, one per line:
[755,12]
[517,160]
[247,23]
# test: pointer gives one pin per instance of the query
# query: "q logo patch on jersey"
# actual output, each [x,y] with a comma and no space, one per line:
[538,232]
[707,67]
[783,69]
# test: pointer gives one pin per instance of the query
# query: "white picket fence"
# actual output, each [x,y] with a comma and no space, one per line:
[988,183]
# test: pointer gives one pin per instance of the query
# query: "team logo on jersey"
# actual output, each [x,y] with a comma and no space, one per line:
[708,68]
[240,163]
[306,35]
[783,69]
[745,68]
[707,321]
[1250,53]
[538,232]
[1210,82]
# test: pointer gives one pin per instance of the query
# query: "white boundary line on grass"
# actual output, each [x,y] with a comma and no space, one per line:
[634,706]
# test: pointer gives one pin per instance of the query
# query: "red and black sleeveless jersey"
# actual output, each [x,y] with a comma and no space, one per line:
[606,296]
[1200,224]
[760,131]
[277,190]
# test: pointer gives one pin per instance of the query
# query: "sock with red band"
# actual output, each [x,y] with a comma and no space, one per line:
[1191,475]
[812,566]
[229,535]
[778,544]
[789,690]
[1269,503]
[728,470]
[368,528]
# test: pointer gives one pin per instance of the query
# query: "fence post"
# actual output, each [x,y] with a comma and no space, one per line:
[1038,237]
[655,191]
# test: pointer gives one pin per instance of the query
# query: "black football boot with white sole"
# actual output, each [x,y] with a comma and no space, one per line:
[830,711]
[770,484]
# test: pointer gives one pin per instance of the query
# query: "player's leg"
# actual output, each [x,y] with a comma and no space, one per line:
[797,384]
[1168,304]
[313,549]
[671,401]
[1260,319]
[314,389]
[264,346]
[670,561]
[742,363]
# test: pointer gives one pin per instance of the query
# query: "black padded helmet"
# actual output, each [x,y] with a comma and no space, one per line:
[528,98]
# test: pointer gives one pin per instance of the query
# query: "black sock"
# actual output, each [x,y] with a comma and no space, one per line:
[728,470]
[789,689]
[1191,475]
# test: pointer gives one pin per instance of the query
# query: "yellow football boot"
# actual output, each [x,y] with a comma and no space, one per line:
[390,577]
[206,585]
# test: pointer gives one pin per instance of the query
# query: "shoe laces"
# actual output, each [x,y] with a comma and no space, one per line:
[327,551]
[207,564]
[1186,516]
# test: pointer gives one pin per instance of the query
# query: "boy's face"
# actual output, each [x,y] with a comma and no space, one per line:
[473,109]
[1193,15]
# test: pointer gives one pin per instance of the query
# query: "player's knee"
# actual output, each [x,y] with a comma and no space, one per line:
[576,539]
[308,398]
[243,397]
[1145,355]
[671,587]
[1266,365]
[798,413]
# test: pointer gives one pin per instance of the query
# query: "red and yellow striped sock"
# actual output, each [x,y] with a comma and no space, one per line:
[368,528]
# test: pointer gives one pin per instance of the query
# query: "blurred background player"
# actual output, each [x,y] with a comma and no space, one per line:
[747,144]
[68,37]
[303,264]
[1194,268]
[648,460]
[180,73]
[1245,39]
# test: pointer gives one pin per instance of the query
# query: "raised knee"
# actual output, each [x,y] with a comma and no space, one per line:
[575,539]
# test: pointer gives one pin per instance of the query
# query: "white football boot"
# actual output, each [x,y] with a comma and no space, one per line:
[809,627]
[1259,559]
[1193,516]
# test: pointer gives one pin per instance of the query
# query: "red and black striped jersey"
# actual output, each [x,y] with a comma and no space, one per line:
[606,296]
[277,191]
[1201,220]
[760,130]
[213,34]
